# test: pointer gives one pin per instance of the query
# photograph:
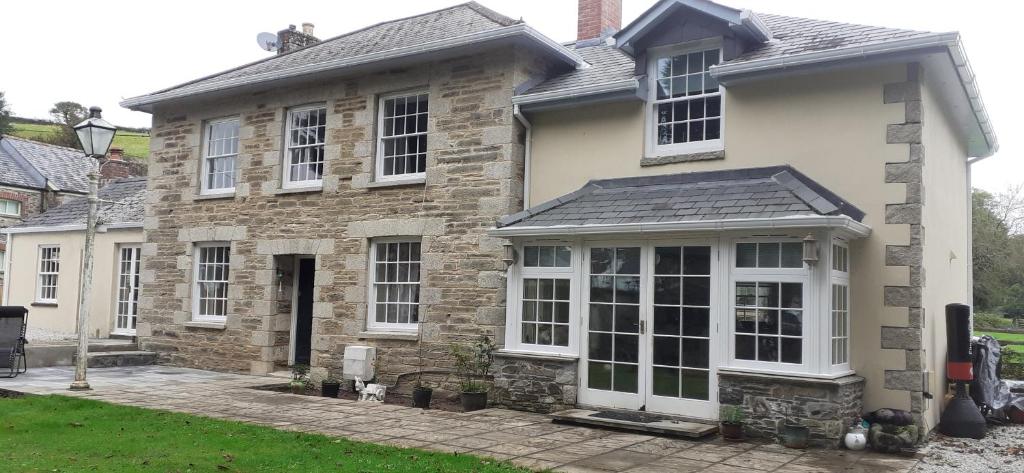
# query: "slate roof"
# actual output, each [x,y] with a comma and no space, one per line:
[791,35]
[122,202]
[30,164]
[415,30]
[769,192]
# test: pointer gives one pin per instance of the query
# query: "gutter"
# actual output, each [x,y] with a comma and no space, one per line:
[853,227]
[526,153]
[74,227]
[948,41]
[521,29]
[576,92]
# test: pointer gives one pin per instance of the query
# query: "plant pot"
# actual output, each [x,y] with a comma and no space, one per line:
[856,439]
[1016,415]
[421,397]
[473,401]
[795,436]
[297,388]
[731,430]
[330,389]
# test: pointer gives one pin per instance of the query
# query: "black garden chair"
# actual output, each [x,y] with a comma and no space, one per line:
[13,323]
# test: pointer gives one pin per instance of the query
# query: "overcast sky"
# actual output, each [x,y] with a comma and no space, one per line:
[98,52]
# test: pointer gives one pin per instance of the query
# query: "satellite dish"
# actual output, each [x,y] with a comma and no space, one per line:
[267,41]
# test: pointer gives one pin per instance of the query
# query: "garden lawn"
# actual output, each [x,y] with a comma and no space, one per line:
[63,434]
[1004,336]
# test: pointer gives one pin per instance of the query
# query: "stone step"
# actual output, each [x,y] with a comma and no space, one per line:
[41,355]
[637,421]
[111,359]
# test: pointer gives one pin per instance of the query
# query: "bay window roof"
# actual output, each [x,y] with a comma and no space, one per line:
[768,197]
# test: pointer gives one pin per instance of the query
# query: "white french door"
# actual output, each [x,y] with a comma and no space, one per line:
[127,307]
[649,328]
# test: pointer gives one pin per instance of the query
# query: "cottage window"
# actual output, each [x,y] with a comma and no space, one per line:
[219,156]
[542,299]
[213,261]
[304,142]
[402,132]
[395,290]
[11,208]
[685,101]
[840,305]
[49,269]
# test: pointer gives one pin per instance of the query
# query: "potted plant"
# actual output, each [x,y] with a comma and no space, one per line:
[300,379]
[420,394]
[330,386]
[732,422]
[472,365]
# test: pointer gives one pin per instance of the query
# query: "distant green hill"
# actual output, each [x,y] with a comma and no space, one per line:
[133,143]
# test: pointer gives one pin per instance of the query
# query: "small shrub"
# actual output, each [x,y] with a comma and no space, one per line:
[473,363]
[986,321]
[732,415]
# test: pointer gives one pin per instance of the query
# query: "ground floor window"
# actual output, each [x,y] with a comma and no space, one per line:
[395,272]
[49,271]
[213,261]
[769,321]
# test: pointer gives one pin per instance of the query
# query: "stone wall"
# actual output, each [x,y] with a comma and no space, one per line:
[474,176]
[538,384]
[826,407]
[30,205]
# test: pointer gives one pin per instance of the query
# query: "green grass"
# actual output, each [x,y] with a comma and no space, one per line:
[62,434]
[1004,336]
[133,144]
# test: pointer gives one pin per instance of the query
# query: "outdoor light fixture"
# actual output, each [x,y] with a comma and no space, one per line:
[510,254]
[95,134]
[810,249]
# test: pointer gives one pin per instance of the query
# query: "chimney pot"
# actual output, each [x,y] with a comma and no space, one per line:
[598,18]
[116,154]
[307,28]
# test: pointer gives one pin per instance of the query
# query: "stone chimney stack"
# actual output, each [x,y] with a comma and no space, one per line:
[598,18]
[291,39]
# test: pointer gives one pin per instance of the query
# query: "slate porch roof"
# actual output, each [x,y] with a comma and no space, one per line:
[753,193]
[122,203]
[31,164]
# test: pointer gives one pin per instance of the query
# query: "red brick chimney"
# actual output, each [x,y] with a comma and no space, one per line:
[598,17]
[116,154]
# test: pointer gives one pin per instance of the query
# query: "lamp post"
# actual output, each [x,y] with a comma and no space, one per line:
[95,135]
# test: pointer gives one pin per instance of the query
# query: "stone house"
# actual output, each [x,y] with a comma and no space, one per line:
[707,207]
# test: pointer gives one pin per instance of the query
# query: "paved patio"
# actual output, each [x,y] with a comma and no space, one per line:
[526,439]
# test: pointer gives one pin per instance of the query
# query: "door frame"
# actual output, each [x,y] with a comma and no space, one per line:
[117,286]
[644,397]
[296,267]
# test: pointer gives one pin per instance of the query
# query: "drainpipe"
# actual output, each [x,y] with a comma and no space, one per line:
[526,158]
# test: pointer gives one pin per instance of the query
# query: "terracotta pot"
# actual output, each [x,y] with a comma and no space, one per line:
[1016,415]
[474,401]
[731,431]
[421,397]
[329,389]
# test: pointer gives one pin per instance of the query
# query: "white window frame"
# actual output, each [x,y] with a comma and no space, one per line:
[3,261]
[810,310]
[653,149]
[207,157]
[518,272]
[286,182]
[196,261]
[40,273]
[371,301]
[838,277]
[6,203]
[379,158]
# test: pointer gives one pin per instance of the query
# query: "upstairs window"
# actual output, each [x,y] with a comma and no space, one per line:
[219,155]
[402,145]
[686,102]
[304,143]
[10,208]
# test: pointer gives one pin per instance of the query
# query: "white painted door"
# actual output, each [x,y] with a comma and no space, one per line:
[649,328]
[127,307]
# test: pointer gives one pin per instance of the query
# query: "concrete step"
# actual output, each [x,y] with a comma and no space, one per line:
[110,359]
[44,354]
[637,421]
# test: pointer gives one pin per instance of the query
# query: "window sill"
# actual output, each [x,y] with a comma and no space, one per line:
[224,195]
[206,325]
[43,304]
[534,355]
[682,158]
[397,183]
[298,190]
[383,335]
[845,377]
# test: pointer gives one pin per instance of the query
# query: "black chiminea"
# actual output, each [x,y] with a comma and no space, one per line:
[962,418]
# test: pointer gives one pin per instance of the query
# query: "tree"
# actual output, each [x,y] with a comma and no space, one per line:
[5,116]
[998,229]
[67,114]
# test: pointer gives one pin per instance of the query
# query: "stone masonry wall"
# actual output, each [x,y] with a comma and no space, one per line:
[826,407]
[535,384]
[912,378]
[474,176]
[30,205]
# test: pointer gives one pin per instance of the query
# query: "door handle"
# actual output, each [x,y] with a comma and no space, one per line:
[643,327]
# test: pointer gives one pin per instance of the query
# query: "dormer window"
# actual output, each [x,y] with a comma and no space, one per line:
[685,101]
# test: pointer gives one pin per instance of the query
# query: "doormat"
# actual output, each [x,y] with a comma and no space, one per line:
[632,416]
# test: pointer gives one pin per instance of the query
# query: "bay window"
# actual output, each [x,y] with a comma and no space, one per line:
[542,314]
[840,305]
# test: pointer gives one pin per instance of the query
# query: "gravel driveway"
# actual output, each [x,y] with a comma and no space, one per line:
[1002,450]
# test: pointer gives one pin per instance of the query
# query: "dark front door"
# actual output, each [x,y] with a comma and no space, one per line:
[304,312]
